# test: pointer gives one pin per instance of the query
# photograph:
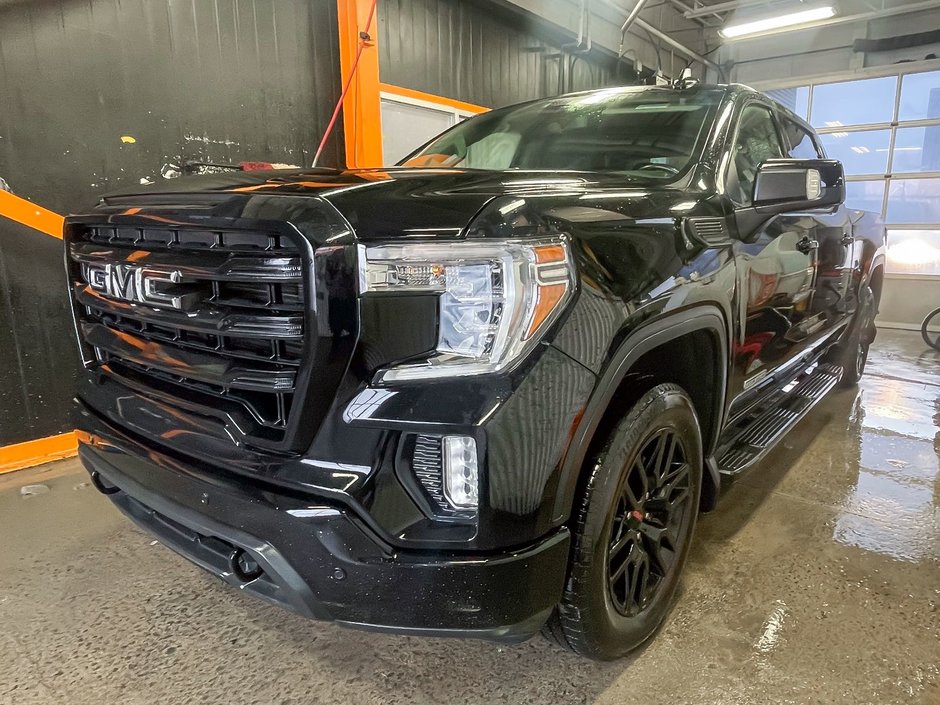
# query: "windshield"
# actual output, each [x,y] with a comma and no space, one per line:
[642,131]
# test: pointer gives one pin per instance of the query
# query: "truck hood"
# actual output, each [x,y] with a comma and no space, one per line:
[402,202]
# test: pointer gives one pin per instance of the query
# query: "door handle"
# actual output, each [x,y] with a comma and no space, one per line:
[806,245]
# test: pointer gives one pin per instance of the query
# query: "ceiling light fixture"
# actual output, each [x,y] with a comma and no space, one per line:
[790,20]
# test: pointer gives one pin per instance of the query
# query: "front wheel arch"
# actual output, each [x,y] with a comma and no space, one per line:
[646,339]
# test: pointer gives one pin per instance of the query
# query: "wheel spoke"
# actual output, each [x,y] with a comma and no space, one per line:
[641,574]
[678,481]
[653,533]
[618,547]
[619,571]
[658,540]
[662,443]
[629,492]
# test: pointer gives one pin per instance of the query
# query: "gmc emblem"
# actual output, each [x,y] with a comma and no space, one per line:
[135,284]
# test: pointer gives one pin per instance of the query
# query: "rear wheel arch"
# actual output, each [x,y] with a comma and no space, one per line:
[629,370]
[876,278]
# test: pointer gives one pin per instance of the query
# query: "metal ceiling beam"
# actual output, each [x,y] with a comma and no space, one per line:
[605,33]
[681,48]
[665,38]
[719,7]
[631,16]
[684,9]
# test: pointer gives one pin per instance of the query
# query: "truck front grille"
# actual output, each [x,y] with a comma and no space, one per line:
[213,318]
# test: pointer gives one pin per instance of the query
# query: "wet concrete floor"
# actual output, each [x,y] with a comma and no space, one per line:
[817,580]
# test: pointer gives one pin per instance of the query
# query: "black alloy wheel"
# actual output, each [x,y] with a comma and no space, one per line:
[654,504]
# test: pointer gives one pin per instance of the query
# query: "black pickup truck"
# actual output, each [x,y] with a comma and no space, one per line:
[486,392]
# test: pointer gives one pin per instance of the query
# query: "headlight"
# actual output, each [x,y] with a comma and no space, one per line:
[495,297]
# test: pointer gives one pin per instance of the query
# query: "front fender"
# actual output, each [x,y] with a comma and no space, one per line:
[642,340]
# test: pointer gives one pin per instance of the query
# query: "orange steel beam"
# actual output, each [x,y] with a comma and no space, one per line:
[362,118]
[432,98]
[37,452]
[30,215]
[40,450]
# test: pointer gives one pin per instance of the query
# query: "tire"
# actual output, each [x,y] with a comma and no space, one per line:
[601,618]
[932,339]
[853,355]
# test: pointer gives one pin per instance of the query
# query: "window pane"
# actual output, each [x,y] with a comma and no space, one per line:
[797,99]
[860,152]
[802,143]
[917,149]
[914,251]
[406,127]
[854,102]
[865,195]
[914,201]
[920,96]
[757,140]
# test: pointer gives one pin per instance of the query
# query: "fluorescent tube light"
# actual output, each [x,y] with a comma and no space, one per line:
[790,19]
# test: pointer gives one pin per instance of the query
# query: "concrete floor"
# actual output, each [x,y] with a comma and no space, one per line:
[817,580]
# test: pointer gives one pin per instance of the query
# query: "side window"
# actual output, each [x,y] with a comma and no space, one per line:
[756,141]
[803,146]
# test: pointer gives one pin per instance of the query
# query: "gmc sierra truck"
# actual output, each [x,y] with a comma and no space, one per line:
[486,392]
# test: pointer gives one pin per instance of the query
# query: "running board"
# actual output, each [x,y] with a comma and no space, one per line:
[751,439]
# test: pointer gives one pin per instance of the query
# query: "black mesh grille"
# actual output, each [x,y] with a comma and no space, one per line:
[212,317]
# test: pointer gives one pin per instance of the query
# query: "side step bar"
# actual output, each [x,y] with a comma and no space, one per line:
[751,438]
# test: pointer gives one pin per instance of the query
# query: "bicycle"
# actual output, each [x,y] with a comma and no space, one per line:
[932,321]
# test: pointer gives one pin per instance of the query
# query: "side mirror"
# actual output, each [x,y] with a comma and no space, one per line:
[785,185]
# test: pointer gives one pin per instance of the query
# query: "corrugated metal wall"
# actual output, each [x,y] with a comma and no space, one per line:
[216,80]
[210,80]
[476,52]
[38,356]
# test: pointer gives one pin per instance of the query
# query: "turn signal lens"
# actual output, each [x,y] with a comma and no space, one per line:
[495,297]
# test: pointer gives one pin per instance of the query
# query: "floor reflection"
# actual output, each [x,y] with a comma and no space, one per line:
[894,508]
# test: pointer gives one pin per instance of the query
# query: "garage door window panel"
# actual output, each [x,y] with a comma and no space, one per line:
[920,96]
[914,201]
[865,195]
[868,101]
[860,151]
[913,252]
[917,149]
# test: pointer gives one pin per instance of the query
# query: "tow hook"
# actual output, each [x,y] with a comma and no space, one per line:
[244,566]
[100,485]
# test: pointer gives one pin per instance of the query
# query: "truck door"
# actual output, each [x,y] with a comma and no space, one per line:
[777,259]
[836,257]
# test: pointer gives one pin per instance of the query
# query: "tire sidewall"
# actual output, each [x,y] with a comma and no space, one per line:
[855,356]
[666,406]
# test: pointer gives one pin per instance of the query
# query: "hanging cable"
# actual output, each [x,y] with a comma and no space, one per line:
[363,38]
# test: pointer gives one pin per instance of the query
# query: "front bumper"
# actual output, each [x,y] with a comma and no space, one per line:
[319,560]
